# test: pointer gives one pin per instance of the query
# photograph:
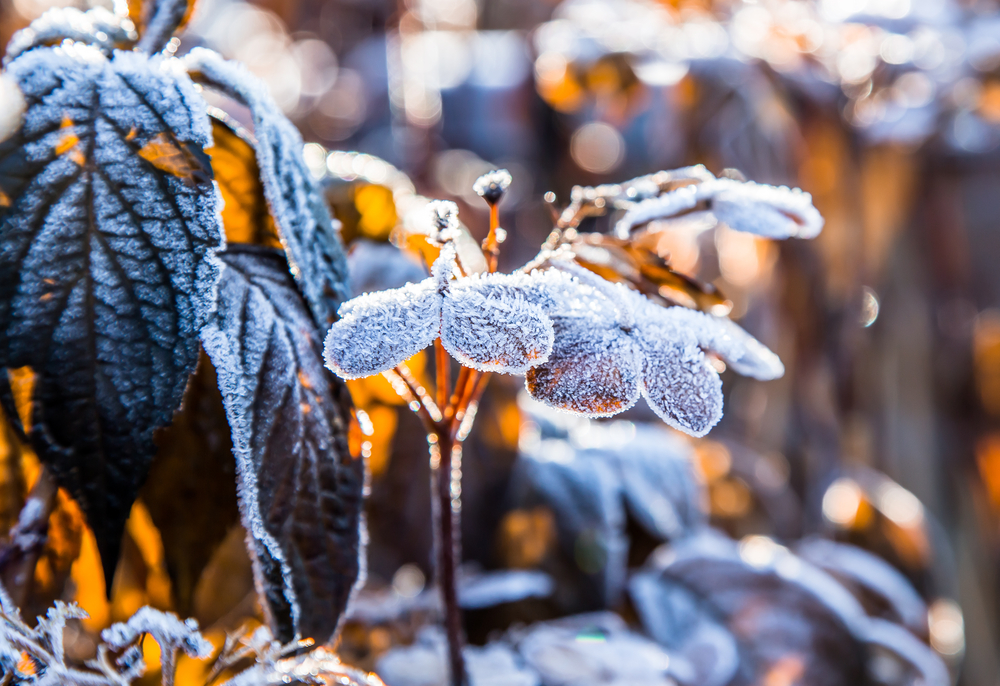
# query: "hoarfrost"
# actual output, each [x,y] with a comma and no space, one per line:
[586,346]
[378,331]
[487,324]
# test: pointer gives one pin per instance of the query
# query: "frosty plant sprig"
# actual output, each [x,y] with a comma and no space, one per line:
[586,344]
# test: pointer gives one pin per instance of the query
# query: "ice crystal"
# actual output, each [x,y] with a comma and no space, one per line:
[44,646]
[484,321]
[771,211]
[444,218]
[612,345]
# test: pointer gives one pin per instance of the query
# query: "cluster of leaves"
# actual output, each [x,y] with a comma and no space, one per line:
[139,225]
[586,345]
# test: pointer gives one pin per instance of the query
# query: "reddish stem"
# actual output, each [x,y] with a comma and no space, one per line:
[449,547]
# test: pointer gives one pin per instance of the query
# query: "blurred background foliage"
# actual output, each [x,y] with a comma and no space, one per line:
[885,430]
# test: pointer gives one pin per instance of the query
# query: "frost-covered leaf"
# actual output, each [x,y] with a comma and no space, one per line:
[245,214]
[377,331]
[165,628]
[424,663]
[191,489]
[594,650]
[106,267]
[611,344]
[703,650]
[771,211]
[677,381]
[590,371]
[98,27]
[775,625]
[307,232]
[487,324]
[300,487]
[488,589]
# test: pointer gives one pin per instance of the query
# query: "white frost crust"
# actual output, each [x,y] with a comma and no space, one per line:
[378,331]
[770,211]
[677,381]
[488,324]
[307,231]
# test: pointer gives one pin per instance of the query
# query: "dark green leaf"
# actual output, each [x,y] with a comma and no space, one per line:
[106,267]
[300,487]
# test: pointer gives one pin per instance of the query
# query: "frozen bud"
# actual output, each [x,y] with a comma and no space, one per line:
[501,235]
[444,218]
[492,185]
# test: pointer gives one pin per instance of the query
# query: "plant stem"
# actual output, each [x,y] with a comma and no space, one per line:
[492,246]
[441,371]
[446,478]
